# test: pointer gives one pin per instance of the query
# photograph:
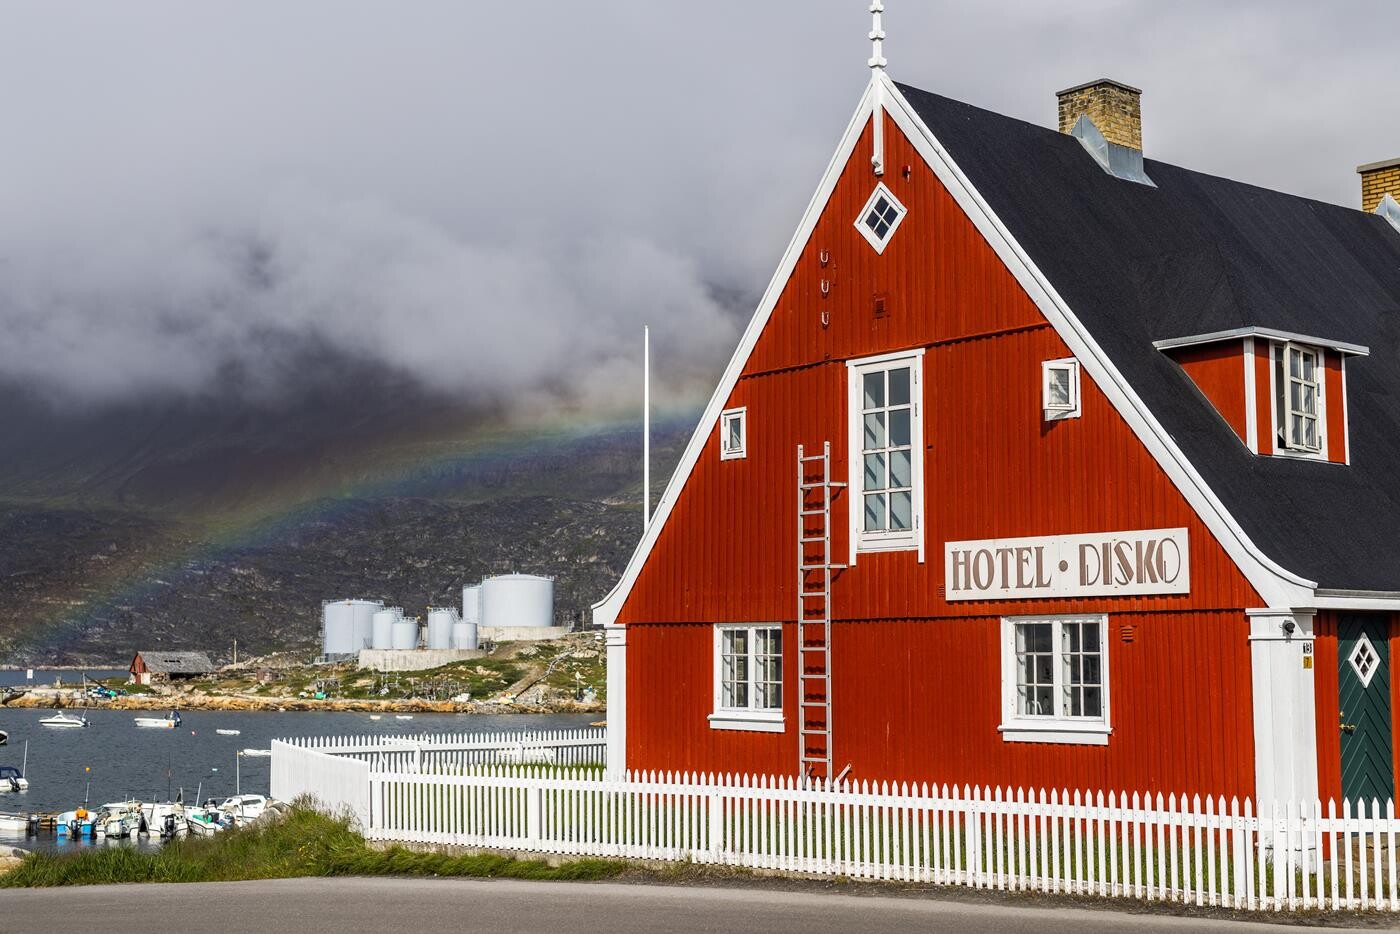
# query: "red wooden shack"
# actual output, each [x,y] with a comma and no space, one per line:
[1035,467]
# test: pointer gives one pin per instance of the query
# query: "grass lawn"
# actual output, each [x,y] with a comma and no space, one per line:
[306,843]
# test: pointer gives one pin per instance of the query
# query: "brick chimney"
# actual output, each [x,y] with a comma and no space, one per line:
[1115,108]
[1378,180]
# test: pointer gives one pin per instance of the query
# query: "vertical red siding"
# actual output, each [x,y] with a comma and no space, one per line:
[1336,410]
[1218,371]
[1328,707]
[917,678]
[1264,395]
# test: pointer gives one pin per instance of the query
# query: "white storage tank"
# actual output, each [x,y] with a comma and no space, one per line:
[471,604]
[464,636]
[440,623]
[406,633]
[383,626]
[517,600]
[346,625]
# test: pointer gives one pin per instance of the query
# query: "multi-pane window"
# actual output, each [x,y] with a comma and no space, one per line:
[887,481]
[880,217]
[733,434]
[750,668]
[1297,398]
[885,453]
[1057,670]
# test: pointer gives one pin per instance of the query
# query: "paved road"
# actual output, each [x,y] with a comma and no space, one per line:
[426,906]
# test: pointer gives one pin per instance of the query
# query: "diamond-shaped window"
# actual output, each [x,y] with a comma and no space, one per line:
[1364,660]
[880,217]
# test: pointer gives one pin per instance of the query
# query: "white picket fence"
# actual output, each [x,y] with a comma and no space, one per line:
[435,752]
[338,783]
[1146,847]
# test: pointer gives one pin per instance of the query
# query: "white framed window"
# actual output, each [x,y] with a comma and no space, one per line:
[733,434]
[748,677]
[880,217]
[886,453]
[1299,426]
[1054,679]
[1059,389]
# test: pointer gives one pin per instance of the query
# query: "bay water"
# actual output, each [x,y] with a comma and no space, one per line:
[115,760]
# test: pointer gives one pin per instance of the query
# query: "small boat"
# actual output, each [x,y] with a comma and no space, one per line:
[165,818]
[77,824]
[118,821]
[17,823]
[203,822]
[228,732]
[168,722]
[65,720]
[12,780]
[4,738]
[404,716]
[256,753]
[242,809]
[375,716]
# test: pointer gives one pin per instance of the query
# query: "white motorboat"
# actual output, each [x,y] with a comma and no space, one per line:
[118,821]
[243,809]
[256,753]
[65,720]
[15,823]
[168,722]
[12,780]
[203,822]
[228,732]
[4,738]
[404,716]
[165,818]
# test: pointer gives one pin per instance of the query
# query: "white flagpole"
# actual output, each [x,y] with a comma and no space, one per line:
[646,427]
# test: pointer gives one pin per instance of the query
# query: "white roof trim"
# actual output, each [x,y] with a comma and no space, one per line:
[1270,333]
[1276,585]
[605,611]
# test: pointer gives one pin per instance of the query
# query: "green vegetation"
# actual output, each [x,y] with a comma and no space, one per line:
[306,843]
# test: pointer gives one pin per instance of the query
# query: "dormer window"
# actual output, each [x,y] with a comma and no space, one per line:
[1298,398]
[880,218]
[1294,399]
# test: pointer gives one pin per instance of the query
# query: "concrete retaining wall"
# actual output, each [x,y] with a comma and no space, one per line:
[414,659]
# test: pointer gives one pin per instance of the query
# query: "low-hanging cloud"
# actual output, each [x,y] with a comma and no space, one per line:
[490,200]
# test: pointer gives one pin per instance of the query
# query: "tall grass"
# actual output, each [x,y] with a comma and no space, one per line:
[306,843]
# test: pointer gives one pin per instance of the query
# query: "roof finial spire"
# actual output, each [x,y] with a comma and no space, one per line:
[877,35]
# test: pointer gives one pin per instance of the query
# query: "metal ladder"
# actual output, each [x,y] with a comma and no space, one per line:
[814,569]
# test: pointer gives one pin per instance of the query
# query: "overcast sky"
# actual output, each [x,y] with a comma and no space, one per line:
[494,196]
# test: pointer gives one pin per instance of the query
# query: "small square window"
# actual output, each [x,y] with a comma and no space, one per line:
[1364,661]
[1060,389]
[880,218]
[733,434]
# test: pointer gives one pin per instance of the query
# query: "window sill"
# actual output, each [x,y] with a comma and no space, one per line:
[1296,454]
[751,721]
[866,545]
[1052,731]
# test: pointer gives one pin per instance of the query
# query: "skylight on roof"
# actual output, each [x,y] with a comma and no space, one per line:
[880,217]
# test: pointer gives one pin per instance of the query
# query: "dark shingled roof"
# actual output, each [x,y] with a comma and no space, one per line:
[177,663]
[1199,254]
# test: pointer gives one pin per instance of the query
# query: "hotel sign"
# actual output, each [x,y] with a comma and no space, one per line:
[1107,564]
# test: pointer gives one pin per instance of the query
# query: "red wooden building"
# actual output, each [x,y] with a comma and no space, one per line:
[1040,463]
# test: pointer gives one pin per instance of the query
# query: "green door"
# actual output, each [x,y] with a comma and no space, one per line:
[1363,656]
